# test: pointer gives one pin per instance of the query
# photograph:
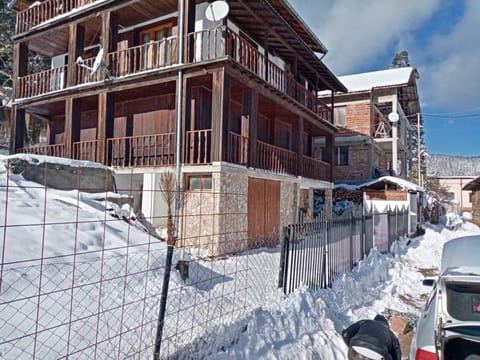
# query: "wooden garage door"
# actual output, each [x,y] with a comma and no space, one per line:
[263,212]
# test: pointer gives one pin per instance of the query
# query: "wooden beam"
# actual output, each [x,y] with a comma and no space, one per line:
[72,125]
[220,114]
[75,49]
[20,64]
[298,144]
[17,129]
[250,110]
[330,154]
[104,125]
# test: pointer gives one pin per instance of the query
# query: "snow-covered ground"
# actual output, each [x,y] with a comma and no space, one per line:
[77,281]
[307,325]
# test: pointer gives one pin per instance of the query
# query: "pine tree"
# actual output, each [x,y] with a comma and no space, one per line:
[400,60]
[7,29]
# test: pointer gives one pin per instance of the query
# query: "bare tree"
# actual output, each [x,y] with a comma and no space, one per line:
[174,197]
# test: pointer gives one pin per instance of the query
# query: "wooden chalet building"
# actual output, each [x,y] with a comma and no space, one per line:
[247,86]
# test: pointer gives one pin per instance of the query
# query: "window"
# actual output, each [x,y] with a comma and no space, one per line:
[199,182]
[159,51]
[341,153]
[339,115]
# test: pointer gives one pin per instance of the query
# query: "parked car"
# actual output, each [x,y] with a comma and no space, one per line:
[449,325]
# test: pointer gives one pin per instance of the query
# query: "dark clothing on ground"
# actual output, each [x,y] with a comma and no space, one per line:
[374,335]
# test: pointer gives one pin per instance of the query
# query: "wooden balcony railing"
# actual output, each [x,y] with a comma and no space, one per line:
[316,169]
[145,57]
[276,159]
[237,149]
[198,147]
[41,12]
[85,150]
[49,150]
[143,150]
[201,46]
[42,82]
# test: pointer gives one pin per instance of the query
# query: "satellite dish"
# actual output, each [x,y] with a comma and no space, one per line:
[393,117]
[98,61]
[96,64]
[217,10]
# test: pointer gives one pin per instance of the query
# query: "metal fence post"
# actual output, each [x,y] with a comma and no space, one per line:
[351,240]
[163,302]
[283,258]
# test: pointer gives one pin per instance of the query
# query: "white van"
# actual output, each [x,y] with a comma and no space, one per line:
[449,326]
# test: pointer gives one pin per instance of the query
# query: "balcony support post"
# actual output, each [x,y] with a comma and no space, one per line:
[105,125]
[330,155]
[220,114]
[298,145]
[75,49]
[20,63]
[72,125]
[250,111]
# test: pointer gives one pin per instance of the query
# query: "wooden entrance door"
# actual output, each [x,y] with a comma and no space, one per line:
[263,212]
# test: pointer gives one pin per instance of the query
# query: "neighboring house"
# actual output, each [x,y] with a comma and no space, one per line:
[389,192]
[451,174]
[474,187]
[242,90]
[455,189]
[369,144]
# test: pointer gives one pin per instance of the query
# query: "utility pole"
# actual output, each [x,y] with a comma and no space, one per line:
[419,159]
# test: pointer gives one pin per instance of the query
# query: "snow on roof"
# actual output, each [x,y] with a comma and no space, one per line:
[460,255]
[41,159]
[382,78]
[404,184]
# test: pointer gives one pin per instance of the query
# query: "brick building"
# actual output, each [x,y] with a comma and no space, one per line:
[369,144]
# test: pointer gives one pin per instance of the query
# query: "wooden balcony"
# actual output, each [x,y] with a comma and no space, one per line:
[276,159]
[44,11]
[159,150]
[201,46]
[142,151]
[316,169]
[49,150]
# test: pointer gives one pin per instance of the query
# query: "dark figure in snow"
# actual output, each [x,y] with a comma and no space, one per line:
[371,339]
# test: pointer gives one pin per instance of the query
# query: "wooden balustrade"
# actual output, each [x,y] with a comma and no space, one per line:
[143,150]
[316,169]
[84,73]
[205,45]
[41,12]
[85,150]
[276,159]
[198,147]
[202,45]
[42,82]
[237,149]
[49,150]
[144,57]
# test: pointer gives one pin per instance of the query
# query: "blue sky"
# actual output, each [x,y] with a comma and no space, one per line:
[443,42]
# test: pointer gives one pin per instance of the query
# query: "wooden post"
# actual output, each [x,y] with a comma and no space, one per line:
[189,28]
[299,146]
[75,49]
[330,154]
[20,62]
[187,116]
[220,114]
[72,126]
[108,41]
[250,110]
[104,126]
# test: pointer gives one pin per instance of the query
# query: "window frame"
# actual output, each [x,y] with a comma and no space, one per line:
[202,177]
[338,150]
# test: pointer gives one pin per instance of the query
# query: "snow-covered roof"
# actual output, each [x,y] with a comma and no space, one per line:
[460,255]
[402,183]
[374,79]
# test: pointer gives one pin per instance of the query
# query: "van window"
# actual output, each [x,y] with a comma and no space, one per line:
[463,301]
